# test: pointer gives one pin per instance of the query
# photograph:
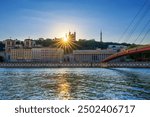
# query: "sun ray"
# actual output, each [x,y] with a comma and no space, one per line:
[66,44]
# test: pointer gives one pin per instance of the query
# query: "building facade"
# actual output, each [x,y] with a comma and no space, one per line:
[36,55]
[47,55]
[21,55]
[91,56]
[9,44]
[29,43]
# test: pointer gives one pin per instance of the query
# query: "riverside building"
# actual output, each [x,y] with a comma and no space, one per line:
[91,56]
[21,55]
[36,55]
[47,55]
[27,51]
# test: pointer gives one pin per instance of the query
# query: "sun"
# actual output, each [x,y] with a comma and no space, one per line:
[66,44]
[65,39]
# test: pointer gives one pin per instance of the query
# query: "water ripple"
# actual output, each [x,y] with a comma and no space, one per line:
[74,83]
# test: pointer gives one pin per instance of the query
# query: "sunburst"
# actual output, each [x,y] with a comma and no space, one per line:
[66,44]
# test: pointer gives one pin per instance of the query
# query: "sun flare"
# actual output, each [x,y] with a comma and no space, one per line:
[67,43]
[65,39]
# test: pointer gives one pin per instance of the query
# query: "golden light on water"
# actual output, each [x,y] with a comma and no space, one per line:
[63,89]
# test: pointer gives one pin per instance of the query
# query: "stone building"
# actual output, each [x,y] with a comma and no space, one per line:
[21,55]
[9,44]
[47,55]
[91,56]
[36,55]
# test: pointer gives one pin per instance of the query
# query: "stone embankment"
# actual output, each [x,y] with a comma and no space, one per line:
[77,65]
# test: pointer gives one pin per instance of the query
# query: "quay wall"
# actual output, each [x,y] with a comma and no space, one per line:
[77,65]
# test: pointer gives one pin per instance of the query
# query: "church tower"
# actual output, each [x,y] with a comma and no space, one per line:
[72,36]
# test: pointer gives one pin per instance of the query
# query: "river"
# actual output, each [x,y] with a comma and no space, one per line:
[74,84]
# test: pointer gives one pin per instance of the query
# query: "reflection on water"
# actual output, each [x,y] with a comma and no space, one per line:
[63,89]
[75,83]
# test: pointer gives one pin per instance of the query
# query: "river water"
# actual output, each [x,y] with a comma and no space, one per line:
[75,83]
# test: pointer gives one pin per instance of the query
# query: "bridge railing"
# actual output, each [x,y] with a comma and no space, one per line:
[125,52]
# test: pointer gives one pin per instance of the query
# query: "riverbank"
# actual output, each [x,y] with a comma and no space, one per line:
[77,65]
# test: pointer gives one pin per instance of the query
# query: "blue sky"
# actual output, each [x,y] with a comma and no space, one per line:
[53,18]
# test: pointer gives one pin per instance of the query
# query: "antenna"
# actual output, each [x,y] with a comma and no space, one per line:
[101,36]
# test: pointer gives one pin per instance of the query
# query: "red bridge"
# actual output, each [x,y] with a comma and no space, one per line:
[128,52]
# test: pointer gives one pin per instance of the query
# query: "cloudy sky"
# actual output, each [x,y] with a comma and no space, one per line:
[53,18]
